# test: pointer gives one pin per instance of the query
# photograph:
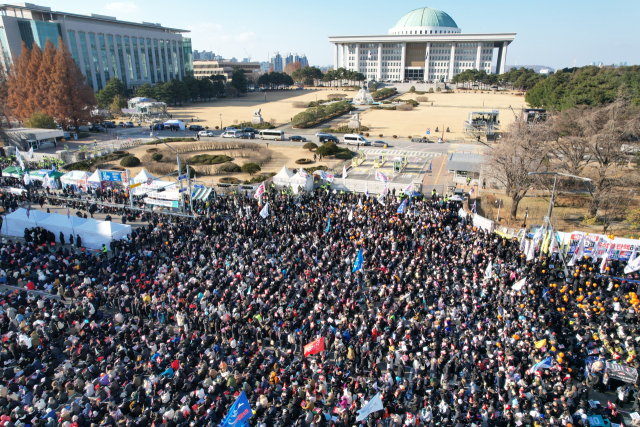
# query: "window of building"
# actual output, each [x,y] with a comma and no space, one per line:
[74,46]
[127,48]
[176,62]
[136,57]
[85,57]
[164,60]
[103,54]
[112,55]
[26,33]
[123,72]
[96,64]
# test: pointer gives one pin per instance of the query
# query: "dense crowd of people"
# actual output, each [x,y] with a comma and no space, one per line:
[188,313]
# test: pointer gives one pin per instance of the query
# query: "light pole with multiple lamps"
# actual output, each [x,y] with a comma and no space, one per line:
[179,172]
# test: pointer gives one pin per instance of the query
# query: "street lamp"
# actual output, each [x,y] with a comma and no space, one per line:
[220,121]
[547,221]
[179,172]
[499,203]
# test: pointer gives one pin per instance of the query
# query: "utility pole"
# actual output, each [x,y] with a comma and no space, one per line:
[130,189]
[190,193]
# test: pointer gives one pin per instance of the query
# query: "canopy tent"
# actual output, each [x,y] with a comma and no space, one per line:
[14,223]
[57,223]
[282,178]
[13,172]
[201,193]
[142,177]
[298,181]
[95,180]
[77,178]
[38,175]
[174,123]
[96,233]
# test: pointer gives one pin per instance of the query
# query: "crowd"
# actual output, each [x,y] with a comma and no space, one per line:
[189,313]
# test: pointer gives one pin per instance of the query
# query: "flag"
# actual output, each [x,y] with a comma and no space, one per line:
[265,211]
[402,206]
[360,203]
[603,264]
[359,261]
[471,192]
[374,405]
[580,248]
[45,181]
[259,191]
[19,159]
[303,173]
[239,413]
[328,225]
[53,167]
[351,215]
[381,199]
[634,262]
[554,242]
[30,153]
[473,209]
[68,214]
[541,343]
[344,171]
[329,177]
[366,190]
[314,347]
[531,250]
[409,189]
[27,178]
[488,272]
[543,364]
[381,177]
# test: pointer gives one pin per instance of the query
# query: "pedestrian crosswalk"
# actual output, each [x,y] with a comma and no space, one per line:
[425,154]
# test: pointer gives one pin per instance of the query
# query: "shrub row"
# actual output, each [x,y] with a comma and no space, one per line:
[315,115]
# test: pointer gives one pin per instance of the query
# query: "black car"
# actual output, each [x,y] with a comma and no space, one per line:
[249,130]
[96,128]
[297,138]
[328,138]
[107,125]
[196,128]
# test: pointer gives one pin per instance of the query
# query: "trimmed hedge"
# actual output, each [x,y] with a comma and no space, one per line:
[310,146]
[319,114]
[156,157]
[209,159]
[228,167]
[327,149]
[383,93]
[130,162]
[344,155]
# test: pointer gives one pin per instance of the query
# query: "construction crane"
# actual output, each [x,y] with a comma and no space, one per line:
[248,56]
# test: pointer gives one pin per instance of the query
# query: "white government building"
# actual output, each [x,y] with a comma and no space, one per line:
[425,44]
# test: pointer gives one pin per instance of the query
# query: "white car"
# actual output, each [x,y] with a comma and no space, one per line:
[205,133]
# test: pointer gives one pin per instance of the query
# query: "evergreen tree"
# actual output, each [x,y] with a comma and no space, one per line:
[206,89]
[114,87]
[146,91]
[239,80]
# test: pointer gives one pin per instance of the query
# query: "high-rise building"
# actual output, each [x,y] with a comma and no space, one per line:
[102,46]
[276,62]
[265,66]
[303,60]
[288,59]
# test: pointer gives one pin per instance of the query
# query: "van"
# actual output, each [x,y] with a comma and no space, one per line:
[84,128]
[278,135]
[354,139]
[232,133]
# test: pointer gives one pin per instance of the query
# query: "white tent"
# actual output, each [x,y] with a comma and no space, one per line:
[174,123]
[298,181]
[96,233]
[95,179]
[282,178]
[57,223]
[142,177]
[78,178]
[14,223]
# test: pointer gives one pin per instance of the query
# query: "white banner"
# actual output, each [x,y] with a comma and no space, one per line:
[165,195]
[166,203]
[482,222]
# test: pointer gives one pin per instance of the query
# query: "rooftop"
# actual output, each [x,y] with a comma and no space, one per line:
[92,16]
[464,162]
[426,17]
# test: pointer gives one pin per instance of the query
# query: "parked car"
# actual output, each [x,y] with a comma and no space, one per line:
[196,128]
[71,128]
[297,138]
[205,133]
[128,124]
[96,128]
[108,125]
[354,139]
[319,134]
[232,133]
[327,138]
[378,143]
[249,130]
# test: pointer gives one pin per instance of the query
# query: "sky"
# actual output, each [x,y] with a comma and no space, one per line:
[554,33]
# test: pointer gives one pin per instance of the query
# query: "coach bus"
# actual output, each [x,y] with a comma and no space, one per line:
[272,134]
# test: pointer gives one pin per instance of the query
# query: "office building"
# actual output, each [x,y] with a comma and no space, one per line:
[102,46]
[425,44]
[204,69]
[265,66]
[276,62]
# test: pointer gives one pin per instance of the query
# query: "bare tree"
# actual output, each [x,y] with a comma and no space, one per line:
[606,130]
[569,149]
[522,150]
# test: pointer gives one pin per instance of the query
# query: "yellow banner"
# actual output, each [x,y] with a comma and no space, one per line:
[541,343]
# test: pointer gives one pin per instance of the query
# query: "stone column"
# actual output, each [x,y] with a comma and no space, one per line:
[344,56]
[426,62]
[503,58]
[379,73]
[452,61]
[402,60]
[479,56]
[335,56]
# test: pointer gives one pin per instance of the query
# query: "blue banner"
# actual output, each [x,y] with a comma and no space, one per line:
[359,260]
[239,413]
[111,176]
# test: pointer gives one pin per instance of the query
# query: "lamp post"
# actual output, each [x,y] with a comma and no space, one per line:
[179,172]
[547,220]
[499,203]
[220,122]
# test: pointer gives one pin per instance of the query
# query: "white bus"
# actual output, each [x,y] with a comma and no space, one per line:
[272,134]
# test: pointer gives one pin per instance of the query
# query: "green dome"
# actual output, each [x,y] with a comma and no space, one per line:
[426,17]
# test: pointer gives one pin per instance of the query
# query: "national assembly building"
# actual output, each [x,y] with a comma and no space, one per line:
[426,45]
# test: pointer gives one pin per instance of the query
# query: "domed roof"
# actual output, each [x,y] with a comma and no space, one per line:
[426,17]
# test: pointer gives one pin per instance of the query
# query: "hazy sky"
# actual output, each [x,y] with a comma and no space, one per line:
[553,33]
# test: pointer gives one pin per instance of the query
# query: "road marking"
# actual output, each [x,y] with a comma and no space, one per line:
[439,171]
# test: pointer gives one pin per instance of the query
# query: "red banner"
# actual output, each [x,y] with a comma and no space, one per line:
[314,347]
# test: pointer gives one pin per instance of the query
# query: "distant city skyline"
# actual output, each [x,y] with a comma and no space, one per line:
[553,33]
